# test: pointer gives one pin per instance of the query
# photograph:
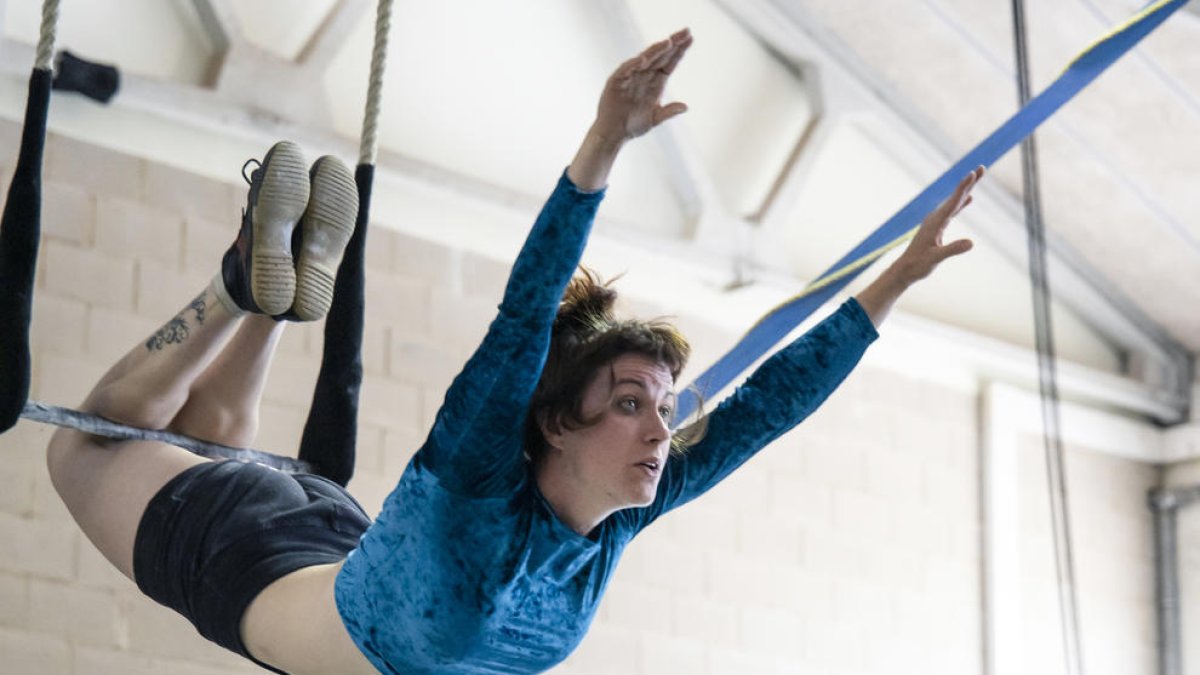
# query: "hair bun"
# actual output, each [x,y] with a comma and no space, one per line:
[587,306]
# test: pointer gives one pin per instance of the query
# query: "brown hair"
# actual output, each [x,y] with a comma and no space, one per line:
[586,337]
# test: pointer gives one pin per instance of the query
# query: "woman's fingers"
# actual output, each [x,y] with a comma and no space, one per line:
[640,62]
[666,112]
[680,42]
[681,35]
[954,248]
[962,205]
[971,180]
[654,55]
[926,250]
[936,223]
[957,201]
[659,58]
[962,191]
[662,57]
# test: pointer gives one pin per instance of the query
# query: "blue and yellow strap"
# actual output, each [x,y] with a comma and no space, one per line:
[777,323]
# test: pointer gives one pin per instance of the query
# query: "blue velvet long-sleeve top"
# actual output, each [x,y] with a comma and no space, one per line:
[467,569]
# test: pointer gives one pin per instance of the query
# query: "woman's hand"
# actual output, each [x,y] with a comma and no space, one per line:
[630,103]
[630,106]
[924,253]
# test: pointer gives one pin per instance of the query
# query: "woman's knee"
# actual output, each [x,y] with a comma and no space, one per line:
[212,420]
[59,453]
[71,458]
[128,402]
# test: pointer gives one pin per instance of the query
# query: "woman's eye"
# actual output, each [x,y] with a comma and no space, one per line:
[628,404]
[665,412]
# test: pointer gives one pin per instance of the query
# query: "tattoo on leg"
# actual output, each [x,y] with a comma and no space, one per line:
[177,329]
[174,332]
[199,307]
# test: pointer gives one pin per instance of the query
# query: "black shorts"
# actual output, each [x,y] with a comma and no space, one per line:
[219,533]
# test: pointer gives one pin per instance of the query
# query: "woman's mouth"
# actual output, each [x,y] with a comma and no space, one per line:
[651,467]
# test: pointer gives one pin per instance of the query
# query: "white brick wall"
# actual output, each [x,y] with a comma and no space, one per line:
[1113,553]
[850,546]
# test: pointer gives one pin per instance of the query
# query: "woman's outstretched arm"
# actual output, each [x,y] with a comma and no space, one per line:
[791,384]
[475,443]
[924,253]
[629,107]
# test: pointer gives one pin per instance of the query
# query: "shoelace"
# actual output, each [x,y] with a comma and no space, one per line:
[250,179]
[257,165]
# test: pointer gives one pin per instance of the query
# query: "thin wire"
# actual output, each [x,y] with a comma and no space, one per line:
[45,47]
[1047,371]
[369,148]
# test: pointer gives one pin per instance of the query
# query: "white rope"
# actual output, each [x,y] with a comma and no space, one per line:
[369,147]
[45,48]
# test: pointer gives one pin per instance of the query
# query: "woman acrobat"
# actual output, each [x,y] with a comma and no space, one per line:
[551,452]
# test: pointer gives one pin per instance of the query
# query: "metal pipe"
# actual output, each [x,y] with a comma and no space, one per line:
[1164,503]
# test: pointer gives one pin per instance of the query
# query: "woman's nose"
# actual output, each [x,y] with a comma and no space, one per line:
[659,429]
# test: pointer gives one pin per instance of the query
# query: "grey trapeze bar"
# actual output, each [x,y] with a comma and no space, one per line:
[99,426]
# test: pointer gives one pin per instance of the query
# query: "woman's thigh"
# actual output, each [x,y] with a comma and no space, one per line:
[107,485]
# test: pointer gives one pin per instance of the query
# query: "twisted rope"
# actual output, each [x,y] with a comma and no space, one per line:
[369,147]
[45,48]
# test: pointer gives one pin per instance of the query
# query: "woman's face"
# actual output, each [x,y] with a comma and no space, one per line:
[616,463]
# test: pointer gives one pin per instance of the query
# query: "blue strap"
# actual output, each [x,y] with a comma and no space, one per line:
[780,321]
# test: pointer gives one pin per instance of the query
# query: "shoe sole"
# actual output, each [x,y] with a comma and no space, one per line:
[282,198]
[327,226]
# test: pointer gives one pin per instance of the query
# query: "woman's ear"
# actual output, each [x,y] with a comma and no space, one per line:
[551,430]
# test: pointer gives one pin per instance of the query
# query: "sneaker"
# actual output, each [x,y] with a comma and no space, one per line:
[258,271]
[326,227]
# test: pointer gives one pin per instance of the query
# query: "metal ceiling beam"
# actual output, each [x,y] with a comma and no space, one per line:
[1153,356]
[328,40]
[219,23]
[249,75]
[200,109]
[771,35]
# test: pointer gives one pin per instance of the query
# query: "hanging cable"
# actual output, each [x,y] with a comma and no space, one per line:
[1047,373]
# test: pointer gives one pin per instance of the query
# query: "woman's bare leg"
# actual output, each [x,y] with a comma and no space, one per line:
[222,406]
[107,484]
[150,385]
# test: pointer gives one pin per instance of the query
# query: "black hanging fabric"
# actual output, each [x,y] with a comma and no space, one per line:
[330,434]
[97,81]
[20,231]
